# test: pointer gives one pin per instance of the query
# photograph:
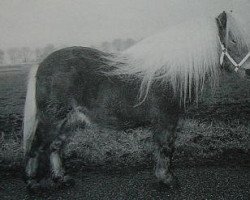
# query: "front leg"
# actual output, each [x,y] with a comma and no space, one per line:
[165,141]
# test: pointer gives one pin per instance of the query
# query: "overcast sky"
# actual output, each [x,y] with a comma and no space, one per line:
[84,22]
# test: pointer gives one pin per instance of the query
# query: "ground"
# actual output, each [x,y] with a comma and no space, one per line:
[207,182]
[211,136]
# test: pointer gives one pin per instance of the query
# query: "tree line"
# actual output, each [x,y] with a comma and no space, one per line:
[18,55]
[117,45]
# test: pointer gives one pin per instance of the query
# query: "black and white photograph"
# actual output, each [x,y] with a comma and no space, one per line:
[125,99]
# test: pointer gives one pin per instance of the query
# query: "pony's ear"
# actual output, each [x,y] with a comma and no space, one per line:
[222,20]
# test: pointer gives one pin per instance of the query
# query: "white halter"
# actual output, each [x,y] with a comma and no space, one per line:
[225,53]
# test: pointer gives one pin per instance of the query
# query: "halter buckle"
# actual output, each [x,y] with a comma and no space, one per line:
[224,50]
[236,68]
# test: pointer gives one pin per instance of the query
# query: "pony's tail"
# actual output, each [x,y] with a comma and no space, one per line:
[30,112]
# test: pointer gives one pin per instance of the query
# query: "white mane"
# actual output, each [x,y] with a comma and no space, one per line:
[182,55]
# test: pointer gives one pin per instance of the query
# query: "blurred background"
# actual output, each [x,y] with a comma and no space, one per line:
[30,30]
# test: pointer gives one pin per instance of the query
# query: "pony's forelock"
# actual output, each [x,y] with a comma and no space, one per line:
[236,29]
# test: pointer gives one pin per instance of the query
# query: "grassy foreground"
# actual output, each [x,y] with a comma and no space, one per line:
[197,141]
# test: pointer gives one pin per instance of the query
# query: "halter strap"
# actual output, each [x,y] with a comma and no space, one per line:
[225,53]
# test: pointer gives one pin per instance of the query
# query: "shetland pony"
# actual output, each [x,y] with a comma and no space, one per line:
[148,84]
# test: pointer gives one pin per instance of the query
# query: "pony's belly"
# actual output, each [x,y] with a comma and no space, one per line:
[97,117]
[118,117]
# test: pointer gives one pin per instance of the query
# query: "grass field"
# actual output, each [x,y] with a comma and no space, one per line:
[217,129]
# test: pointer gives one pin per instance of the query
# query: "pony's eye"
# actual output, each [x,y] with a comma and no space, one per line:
[233,41]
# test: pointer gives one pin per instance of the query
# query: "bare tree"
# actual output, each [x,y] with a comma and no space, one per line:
[93,46]
[106,46]
[41,53]
[128,43]
[25,54]
[48,49]
[38,54]
[1,56]
[14,55]
[117,44]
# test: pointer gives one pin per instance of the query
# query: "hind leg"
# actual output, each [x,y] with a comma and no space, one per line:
[31,170]
[56,164]
[34,163]
[75,119]
[45,153]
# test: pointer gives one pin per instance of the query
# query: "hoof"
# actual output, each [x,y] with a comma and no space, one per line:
[65,181]
[33,186]
[173,184]
[168,180]
[68,181]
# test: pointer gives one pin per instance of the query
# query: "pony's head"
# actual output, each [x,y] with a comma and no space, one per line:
[235,54]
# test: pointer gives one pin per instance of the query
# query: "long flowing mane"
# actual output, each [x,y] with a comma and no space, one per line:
[183,55]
